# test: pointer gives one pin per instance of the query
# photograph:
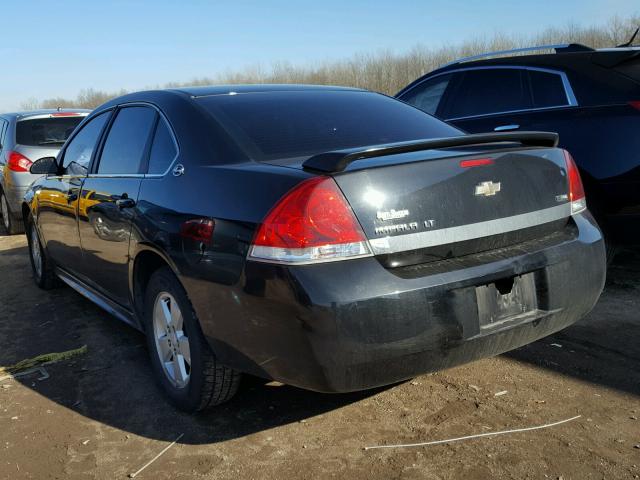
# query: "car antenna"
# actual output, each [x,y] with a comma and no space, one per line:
[630,42]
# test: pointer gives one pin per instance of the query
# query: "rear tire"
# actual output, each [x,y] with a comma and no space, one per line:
[41,267]
[183,363]
[11,226]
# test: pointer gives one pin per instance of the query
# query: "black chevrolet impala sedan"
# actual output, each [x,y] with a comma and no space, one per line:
[330,238]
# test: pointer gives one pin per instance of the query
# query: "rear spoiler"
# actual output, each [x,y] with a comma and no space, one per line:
[338,160]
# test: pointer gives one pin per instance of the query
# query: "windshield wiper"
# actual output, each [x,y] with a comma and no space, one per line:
[51,142]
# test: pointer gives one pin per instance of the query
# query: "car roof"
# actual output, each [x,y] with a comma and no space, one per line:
[255,88]
[562,55]
[44,111]
[566,57]
[171,96]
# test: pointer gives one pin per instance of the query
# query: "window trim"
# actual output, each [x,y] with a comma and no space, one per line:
[145,162]
[568,90]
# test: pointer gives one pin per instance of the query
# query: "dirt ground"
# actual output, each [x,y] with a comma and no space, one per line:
[101,416]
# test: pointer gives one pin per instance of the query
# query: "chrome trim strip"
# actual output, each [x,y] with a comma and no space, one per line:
[444,236]
[505,52]
[572,101]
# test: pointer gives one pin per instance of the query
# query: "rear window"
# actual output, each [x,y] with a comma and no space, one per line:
[278,125]
[45,131]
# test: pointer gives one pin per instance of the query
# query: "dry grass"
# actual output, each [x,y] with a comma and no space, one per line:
[384,72]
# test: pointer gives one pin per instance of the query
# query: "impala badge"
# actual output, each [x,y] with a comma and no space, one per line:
[487,189]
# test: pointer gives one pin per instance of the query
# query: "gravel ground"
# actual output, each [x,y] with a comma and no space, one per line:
[101,416]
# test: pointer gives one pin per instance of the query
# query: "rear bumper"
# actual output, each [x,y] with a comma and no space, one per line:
[15,195]
[355,325]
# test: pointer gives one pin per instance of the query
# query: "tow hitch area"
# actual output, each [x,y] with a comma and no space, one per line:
[506,302]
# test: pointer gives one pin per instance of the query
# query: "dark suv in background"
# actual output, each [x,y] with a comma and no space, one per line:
[590,97]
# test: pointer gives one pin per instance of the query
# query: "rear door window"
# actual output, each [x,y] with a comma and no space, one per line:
[77,154]
[163,149]
[427,95]
[127,141]
[547,89]
[40,132]
[489,91]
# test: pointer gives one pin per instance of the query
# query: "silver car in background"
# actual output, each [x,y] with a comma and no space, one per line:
[24,138]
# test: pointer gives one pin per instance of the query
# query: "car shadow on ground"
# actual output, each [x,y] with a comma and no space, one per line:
[604,347]
[112,383]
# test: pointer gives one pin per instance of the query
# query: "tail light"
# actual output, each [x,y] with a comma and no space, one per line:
[18,162]
[312,223]
[635,104]
[576,189]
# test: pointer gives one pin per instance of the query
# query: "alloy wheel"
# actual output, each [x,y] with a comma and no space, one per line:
[172,344]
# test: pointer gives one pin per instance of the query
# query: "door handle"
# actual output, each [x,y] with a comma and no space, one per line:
[506,128]
[125,202]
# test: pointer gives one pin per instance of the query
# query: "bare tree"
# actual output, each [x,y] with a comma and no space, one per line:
[384,71]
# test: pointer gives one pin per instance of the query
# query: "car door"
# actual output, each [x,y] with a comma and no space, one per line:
[107,203]
[508,99]
[57,197]
[487,99]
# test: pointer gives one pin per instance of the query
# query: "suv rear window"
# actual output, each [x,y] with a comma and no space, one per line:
[278,125]
[40,132]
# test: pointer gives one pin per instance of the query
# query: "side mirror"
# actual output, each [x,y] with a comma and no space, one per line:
[44,166]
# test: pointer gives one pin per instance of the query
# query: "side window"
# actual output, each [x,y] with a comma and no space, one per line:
[547,89]
[163,149]
[127,141]
[428,94]
[77,155]
[487,91]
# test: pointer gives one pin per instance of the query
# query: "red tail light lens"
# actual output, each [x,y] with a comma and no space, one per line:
[18,162]
[198,230]
[312,223]
[576,189]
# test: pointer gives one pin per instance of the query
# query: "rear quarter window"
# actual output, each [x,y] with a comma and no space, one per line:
[45,131]
[547,89]
[163,149]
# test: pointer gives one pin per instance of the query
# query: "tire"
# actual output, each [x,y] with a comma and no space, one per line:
[190,374]
[41,267]
[11,226]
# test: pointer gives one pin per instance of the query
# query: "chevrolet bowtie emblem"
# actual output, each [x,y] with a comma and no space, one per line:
[487,189]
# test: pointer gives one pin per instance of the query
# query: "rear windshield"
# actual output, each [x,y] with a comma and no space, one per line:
[45,131]
[278,125]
